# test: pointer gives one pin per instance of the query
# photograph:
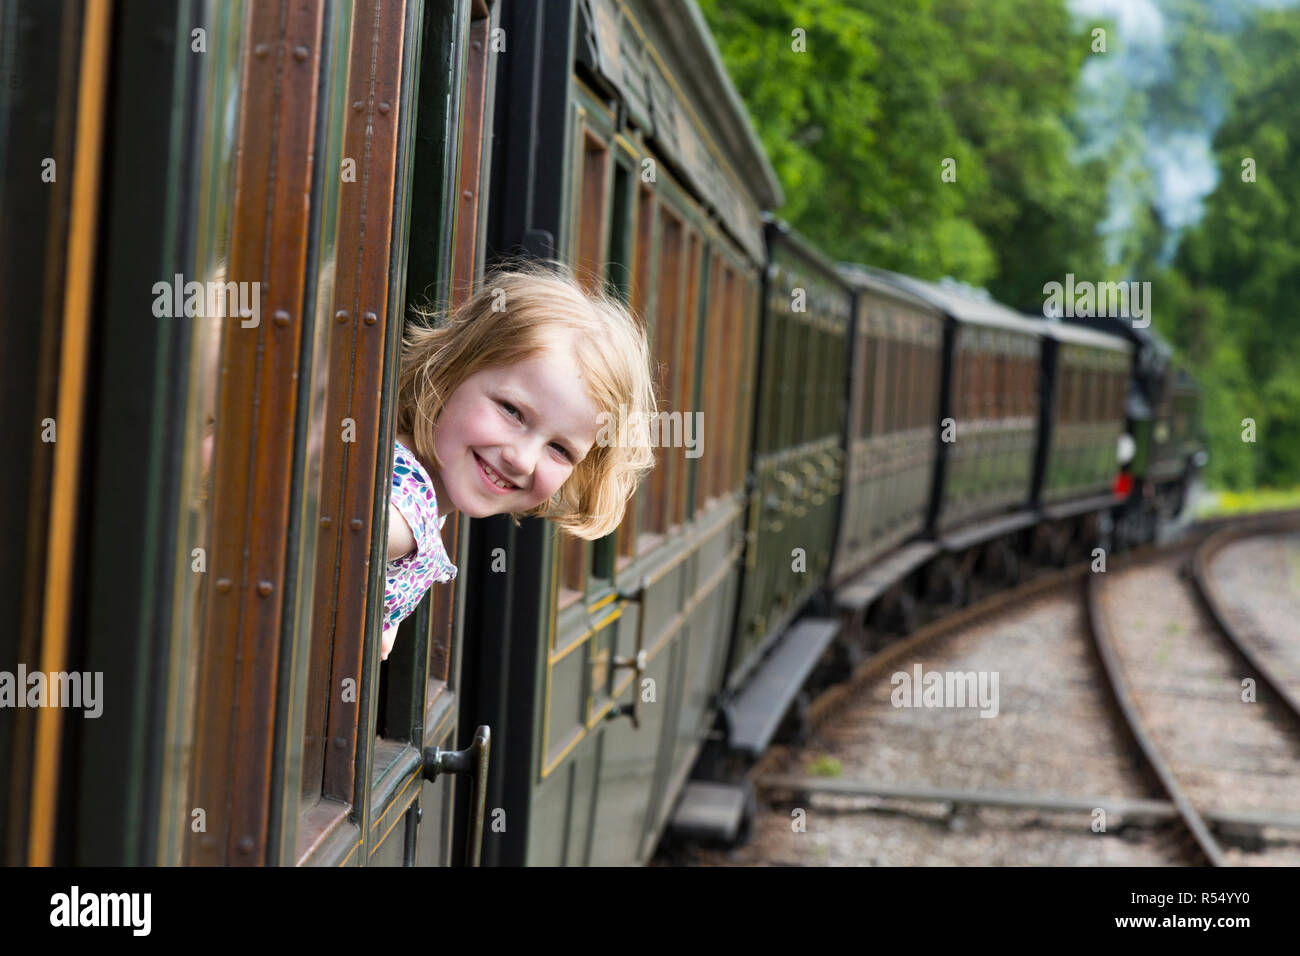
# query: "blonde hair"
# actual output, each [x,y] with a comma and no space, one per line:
[520,310]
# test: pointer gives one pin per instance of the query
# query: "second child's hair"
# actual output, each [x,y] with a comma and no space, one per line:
[520,310]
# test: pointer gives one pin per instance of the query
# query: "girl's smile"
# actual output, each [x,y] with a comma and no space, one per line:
[494,479]
[524,426]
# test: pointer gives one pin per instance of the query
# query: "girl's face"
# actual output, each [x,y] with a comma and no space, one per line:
[530,423]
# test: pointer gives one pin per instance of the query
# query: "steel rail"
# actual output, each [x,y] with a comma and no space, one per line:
[1127,705]
[1212,598]
[765,774]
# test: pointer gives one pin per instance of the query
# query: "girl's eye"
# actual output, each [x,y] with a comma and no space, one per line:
[558,447]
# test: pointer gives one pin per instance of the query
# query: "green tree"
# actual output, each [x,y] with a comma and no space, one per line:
[880,100]
[1233,311]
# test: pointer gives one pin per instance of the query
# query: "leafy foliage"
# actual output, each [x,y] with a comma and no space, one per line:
[1232,291]
[859,122]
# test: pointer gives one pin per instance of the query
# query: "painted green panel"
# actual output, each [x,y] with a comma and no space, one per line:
[581,771]
[628,771]
[432,840]
[568,703]
[547,820]
[389,852]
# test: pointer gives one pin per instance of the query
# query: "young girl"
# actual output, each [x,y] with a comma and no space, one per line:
[500,409]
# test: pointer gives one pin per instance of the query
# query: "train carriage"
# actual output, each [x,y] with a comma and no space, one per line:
[232,438]
[988,463]
[989,412]
[891,439]
[199,348]
[353,161]
[797,463]
[1162,412]
[792,511]
[1085,384]
[637,163]
[1174,449]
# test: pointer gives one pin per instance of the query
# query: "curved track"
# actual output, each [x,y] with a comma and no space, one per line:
[1157,716]
[1210,809]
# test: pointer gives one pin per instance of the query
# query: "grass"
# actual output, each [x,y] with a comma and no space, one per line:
[826,766]
[1218,503]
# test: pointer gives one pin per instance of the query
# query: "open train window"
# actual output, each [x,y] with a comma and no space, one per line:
[618,281]
[298,444]
[590,237]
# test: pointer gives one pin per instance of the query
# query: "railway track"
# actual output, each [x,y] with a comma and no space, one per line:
[1180,799]
[1216,719]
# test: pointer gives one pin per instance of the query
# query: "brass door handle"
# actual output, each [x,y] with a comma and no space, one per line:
[633,710]
[472,760]
[637,661]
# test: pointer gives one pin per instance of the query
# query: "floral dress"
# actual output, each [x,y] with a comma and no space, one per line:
[407,578]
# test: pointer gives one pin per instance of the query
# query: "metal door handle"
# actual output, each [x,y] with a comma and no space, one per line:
[638,661]
[472,760]
[633,710]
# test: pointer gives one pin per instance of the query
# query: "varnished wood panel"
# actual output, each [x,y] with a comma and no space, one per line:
[255,433]
[357,352]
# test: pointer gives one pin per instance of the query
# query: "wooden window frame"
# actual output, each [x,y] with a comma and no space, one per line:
[685,394]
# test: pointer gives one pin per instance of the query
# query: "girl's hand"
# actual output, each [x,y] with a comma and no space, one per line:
[386,643]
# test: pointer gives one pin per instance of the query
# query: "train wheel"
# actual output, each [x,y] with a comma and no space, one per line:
[846,656]
[1011,570]
[953,584]
[1002,564]
[796,727]
[944,584]
[1059,546]
[745,833]
[907,615]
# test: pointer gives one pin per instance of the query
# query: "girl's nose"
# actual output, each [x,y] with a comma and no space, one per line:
[517,462]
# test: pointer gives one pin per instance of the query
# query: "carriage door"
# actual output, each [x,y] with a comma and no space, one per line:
[411,754]
[444,258]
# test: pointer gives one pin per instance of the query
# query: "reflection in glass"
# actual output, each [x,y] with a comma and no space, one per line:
[316,660]
[218,104]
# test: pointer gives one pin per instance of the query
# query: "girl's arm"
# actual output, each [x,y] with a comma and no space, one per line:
[401,541]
